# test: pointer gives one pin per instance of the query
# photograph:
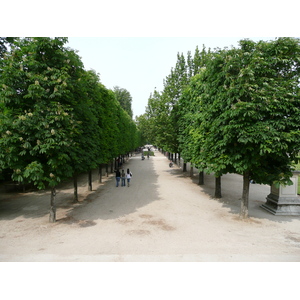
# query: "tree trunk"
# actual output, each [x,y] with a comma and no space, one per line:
[75,199]
[106,169]
[184,167]
[111,166]
[90,181]
[201,178]
[218,187]
[100,173]
[191,171]
[52,216]
[245,196]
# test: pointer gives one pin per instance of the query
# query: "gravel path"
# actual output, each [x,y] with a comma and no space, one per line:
[163,216]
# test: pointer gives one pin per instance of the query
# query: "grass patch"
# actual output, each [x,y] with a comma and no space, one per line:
[151,153]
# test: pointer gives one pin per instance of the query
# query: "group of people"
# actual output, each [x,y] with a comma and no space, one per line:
[122,176]
[148,153]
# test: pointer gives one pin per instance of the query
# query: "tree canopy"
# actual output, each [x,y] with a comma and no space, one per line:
[124,98]
[57,119]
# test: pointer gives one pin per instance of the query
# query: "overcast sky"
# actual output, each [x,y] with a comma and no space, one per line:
[140,64]
[134,44]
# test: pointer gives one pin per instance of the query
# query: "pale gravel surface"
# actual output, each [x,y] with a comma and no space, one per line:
[163,216]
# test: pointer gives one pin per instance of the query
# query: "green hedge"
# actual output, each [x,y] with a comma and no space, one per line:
[151,153]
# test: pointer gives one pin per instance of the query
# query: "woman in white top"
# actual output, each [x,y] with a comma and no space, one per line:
[128,176]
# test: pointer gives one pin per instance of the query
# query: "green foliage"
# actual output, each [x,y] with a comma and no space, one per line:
[56,118]
[189,137]
[44,135]
[165,114]
[244,111]
[124,98]
[143,129]
[151,153]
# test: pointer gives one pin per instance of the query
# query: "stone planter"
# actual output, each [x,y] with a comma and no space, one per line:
[284,200]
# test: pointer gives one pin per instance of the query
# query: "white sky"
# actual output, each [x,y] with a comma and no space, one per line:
[134,44]
[140,64]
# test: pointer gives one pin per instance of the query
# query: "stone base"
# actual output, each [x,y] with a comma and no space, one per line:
[289,206]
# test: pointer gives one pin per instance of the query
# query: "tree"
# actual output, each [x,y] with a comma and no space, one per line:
[189,110]
[57,120]
[39,127]
[85,156]
[153,127]
[173,88]
[143,128]
[190,139]
[124,98]
[160,119]
[251,112]
[196,63]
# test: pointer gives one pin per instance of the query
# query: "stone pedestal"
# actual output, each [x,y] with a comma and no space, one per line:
[284,200]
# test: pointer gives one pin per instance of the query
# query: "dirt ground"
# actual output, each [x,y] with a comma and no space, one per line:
[164,216]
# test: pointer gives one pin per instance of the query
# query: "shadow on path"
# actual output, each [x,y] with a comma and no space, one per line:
[36,204]
[231,189]
[105,201]
[111,202]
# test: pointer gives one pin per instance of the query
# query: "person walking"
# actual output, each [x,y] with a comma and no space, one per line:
[123,178]
[128,176]
[118,176]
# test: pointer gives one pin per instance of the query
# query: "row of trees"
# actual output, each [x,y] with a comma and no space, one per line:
[232,111]
[57,119]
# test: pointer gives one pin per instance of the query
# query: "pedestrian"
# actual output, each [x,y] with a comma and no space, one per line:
[123,178]
[118,176]
[128,176]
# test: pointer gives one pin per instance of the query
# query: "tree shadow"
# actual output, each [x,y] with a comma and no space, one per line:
[105,201]
[111,202]
[28,205]
[231,189]
[36,203]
